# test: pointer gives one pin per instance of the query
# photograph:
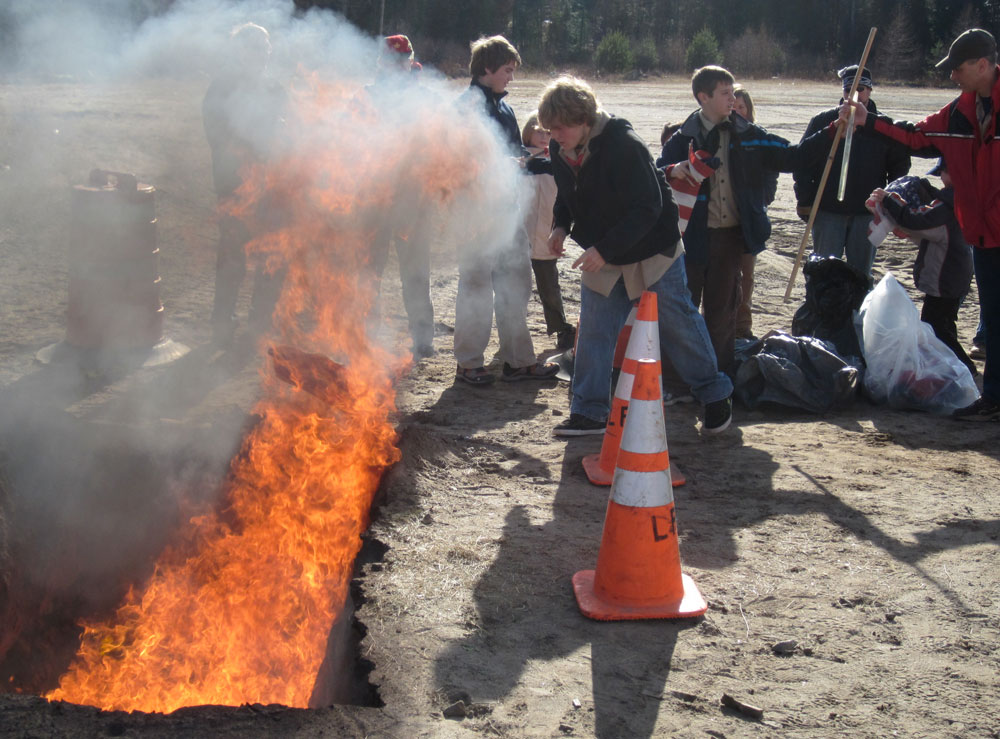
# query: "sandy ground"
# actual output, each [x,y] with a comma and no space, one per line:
[868,537]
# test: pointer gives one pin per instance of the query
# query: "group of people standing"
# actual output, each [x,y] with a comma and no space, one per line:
[594,179]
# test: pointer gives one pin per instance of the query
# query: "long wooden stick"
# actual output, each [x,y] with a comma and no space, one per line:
[826,169]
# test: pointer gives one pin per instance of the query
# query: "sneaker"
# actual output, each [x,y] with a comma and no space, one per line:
[474,376]
[531,372]
[718,416]
[422,351]
[983,409]
[670,399]
[978,351]
[579,425]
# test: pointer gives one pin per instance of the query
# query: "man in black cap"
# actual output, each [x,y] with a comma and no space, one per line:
[840,228]
[964,132]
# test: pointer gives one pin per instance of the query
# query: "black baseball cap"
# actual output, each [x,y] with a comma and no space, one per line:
[972,44]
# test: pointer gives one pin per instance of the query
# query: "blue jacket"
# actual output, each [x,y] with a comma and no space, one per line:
[752,153]
[943,267]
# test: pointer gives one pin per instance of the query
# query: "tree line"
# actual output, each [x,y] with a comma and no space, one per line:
[757,38]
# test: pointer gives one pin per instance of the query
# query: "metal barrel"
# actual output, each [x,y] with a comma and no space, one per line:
[114,280]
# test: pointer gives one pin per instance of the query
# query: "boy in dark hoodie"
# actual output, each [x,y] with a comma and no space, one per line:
[497,283]
[619,210]
[943,267]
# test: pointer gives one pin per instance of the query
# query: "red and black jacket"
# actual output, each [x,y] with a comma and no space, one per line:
[972,161]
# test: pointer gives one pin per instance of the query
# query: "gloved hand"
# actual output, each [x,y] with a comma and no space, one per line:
[538,165]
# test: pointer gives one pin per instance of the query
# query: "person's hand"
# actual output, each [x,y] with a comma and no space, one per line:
[682,170]
[873,202]
[590,261]
[860,112]
[557,241]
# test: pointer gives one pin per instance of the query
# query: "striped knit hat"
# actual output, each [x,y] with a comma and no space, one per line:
[702,165]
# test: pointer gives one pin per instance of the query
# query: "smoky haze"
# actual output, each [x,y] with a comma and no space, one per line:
[95,483]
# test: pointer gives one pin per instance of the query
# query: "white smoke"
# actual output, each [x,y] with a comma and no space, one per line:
[62,61]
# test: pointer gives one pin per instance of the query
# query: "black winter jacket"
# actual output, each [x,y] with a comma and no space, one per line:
[497,108]
[618,202]
[875,161]
[754,156]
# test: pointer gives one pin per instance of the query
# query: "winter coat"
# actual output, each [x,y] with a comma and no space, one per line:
[494,105]
[973,163]
[243,120]
[538,223]
[618,202]
[752,152]
[875,161]
[943,267]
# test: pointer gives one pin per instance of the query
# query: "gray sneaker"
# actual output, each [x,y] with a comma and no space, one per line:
[670,399]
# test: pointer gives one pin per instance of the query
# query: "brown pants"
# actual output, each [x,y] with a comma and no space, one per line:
[744,314]
[715,286]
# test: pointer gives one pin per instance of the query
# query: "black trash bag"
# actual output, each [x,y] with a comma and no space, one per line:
[796,371]
[834,292]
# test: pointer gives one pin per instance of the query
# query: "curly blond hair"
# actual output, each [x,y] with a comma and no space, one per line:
[569,101]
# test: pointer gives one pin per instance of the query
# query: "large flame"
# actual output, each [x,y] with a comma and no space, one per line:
[239,610]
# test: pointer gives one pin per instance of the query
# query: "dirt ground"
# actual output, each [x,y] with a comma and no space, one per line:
[868,537]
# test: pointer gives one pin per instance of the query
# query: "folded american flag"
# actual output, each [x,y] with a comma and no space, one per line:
[702,165]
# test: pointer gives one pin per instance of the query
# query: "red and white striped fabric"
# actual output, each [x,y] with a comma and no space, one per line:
[702,165]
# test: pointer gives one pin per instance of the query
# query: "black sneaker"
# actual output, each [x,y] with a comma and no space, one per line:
[718,416]
[983,409]
[579,425]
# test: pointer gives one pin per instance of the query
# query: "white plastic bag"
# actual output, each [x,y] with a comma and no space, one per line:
[908,366]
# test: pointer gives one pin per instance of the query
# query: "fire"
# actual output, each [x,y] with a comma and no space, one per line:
[238,610]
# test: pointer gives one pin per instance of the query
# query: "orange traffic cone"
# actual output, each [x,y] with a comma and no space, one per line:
[638,572]
[639,339]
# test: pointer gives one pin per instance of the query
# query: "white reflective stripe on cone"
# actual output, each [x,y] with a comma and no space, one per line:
[645,432]
[623,390]
[644,343]
[642,489]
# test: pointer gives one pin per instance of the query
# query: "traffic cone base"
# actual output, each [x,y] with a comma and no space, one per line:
[688,605]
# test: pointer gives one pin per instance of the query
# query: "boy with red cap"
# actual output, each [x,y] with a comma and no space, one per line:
[395,63]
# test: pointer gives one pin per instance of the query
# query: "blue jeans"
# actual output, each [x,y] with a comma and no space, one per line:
[683,338]
[987,262]
[835,235]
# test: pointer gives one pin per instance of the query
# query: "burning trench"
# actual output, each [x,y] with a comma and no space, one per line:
[240,605]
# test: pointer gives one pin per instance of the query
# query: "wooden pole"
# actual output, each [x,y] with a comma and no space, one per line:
[826,169]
